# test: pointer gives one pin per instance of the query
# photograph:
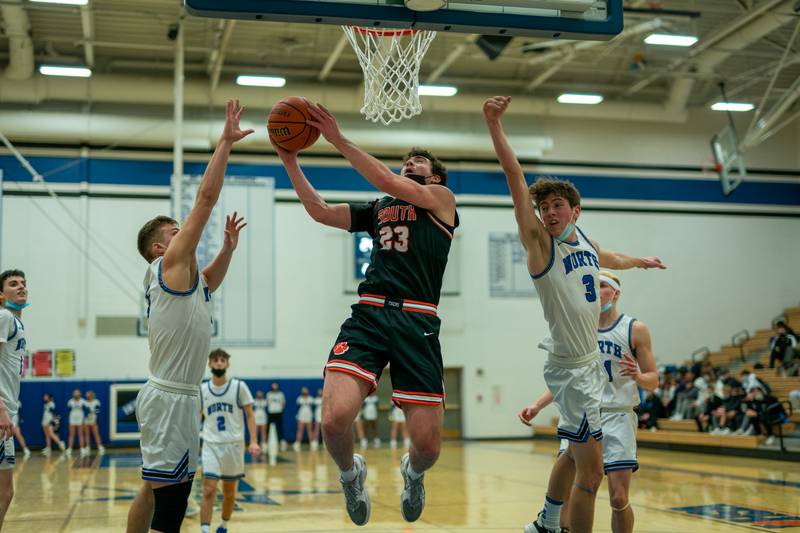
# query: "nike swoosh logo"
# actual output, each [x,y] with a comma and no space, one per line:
[427,334]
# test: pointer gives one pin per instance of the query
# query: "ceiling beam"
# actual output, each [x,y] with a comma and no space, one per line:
[333,58]
[217,57]
[87,29]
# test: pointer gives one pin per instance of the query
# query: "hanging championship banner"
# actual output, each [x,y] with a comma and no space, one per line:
[65,363]
[43,364]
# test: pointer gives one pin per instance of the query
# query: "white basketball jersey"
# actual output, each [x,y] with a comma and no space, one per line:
[304,406]
[93,406]
[12,351]
[619,391]
[179,325]
[76,406]
[570,295]
[260,404]
[223,416]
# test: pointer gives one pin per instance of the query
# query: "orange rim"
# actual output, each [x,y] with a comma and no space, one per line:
[383,32]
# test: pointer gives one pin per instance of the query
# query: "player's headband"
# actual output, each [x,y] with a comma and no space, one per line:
[610,281]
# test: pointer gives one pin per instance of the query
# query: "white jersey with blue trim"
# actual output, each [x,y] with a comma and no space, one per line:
[179,328]
[76,407]
[620,391]
[92,406]
[223,413]
[12,351]
[569,292]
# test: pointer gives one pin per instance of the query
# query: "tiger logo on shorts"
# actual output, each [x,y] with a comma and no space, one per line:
[340,348]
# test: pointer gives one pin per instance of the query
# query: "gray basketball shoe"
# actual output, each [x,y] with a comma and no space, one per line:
[356,497]
[412,500]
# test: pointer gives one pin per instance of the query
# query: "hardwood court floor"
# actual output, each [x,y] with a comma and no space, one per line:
[476,486]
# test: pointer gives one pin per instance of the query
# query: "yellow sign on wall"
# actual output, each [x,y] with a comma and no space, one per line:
[65,363]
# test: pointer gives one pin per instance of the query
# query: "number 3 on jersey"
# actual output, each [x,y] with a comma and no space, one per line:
[591,293]
[394,237]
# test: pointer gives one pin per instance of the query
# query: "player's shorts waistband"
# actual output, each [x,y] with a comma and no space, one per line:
[173,386]
[620,409]
[402,304]
[572,362]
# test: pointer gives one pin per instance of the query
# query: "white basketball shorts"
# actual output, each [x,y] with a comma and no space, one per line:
[223,460]
[577,393]
[619,441]
[7,454]
[169,422]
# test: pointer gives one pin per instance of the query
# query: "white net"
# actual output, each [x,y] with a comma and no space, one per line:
[390,60]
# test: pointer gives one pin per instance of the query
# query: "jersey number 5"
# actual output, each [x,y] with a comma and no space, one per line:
[394,237]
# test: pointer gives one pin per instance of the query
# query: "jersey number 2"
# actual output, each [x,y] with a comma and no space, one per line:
[588,282]
[220,423]
[394,237]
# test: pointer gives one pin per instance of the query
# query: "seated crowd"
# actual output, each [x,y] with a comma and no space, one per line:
[718,402]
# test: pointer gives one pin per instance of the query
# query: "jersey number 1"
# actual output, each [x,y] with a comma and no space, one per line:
[394,237]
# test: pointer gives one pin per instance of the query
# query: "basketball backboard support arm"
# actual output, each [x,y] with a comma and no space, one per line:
[587,20]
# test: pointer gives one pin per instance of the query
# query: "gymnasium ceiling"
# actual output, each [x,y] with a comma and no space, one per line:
[130,38]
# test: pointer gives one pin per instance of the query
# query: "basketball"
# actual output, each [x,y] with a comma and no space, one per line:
[287,125]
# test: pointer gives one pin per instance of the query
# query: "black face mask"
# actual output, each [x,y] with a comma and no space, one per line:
[219,372]
[416,177]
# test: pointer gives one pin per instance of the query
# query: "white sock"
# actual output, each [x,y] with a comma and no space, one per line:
[551,517]
[223,523]
[412,474]
[205,528]
[349,475]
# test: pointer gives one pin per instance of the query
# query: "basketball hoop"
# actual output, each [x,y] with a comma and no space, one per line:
[390,60]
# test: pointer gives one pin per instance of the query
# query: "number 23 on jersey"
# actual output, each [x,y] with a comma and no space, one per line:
[394,238]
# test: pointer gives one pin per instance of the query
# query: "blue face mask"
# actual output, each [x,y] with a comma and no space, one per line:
[566,233]
[607,307]
[16,307]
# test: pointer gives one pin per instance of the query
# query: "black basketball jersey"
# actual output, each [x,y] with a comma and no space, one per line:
[409,249]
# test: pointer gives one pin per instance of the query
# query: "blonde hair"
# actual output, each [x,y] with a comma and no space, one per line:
[611,275]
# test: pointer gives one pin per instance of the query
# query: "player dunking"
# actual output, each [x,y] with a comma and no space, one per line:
[226,405]
[395,320]
[564,265]
[13,299]
[627,355]
[178,298]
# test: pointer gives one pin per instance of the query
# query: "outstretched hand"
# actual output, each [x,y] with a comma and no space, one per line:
[325,122]
[233,226]
[232,132]
[494,107]
[652,262]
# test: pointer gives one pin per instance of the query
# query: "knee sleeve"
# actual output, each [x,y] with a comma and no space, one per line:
[170,507]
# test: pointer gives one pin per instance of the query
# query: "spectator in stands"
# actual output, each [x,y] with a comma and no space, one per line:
[750,381]
[722,375]
[705,420]
[729,416]
[666,394]
[789,330]
[686,401]
[648,411]
[794,398]
[780,346]
[763,411]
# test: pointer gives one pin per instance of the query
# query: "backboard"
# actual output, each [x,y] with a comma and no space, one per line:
[729,159]
[567,19]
